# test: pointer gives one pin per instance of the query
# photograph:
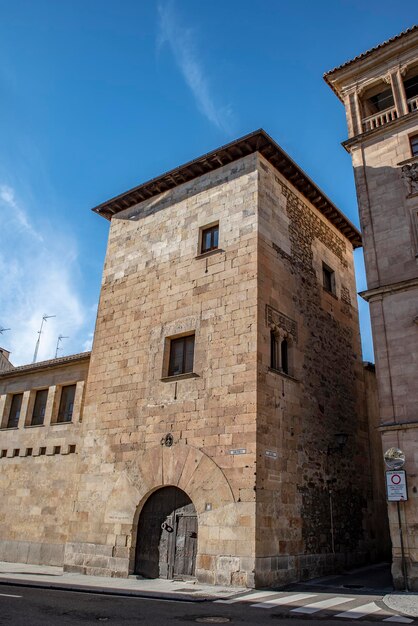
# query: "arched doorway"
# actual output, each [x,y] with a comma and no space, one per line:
[166,542]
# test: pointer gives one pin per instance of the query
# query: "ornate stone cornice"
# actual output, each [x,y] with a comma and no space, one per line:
[378,292]
[281,323]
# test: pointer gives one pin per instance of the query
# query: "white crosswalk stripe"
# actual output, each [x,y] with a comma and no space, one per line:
[271,599]
[249,597]
[314,607]
[360,611]
[288,599]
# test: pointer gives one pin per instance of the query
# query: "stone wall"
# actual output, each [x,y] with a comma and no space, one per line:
[389,218]
[156,286]
[315,509]
[38,465]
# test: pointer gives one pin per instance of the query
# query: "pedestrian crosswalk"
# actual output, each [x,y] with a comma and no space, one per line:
[341,607]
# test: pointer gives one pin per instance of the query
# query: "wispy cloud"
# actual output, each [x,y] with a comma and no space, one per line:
[182,42]
[38,276]
[8,199]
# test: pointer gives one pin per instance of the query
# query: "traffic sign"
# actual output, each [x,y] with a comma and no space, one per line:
[396,486]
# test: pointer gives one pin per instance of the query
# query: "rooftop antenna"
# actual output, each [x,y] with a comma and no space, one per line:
[3,329]
[44,318]
[60,337]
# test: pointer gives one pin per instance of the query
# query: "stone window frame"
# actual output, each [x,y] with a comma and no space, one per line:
[280,351]
[32,403]
[166,376]
[413,144]
[202,230]
[283,339]
[328,279]
[5,424]
[59,396]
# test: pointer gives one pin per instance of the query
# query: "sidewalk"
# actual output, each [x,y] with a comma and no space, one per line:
[51,577]
[405,602]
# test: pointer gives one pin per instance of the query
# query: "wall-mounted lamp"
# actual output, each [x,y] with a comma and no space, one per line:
[341,440]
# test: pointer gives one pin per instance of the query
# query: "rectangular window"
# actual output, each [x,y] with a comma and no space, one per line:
[3,453]
[16,452]
[65,411]
[57,449]
[14,414]
[29,451]
[328,277]
[414,145]
[210,239]
[39,407]
[42,451]
[181,355]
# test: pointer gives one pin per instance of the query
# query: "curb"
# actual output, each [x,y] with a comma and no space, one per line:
[100,590]
[402,603]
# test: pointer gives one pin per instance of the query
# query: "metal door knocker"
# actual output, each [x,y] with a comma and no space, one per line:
[167,441]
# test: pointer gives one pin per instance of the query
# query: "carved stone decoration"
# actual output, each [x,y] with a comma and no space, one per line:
[281,323]
[410,176]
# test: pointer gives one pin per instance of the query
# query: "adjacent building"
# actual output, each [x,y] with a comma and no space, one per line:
[379,90]
[40,419]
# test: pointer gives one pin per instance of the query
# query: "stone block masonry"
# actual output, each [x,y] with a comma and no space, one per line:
[205,427]
[257,514]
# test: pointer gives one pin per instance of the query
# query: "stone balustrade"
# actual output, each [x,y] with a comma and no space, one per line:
[379,119]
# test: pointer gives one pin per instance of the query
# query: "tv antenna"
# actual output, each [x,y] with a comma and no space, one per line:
[2,330]
[60,338]
[44,319]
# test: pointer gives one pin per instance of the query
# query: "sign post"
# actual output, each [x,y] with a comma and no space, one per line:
[396,491]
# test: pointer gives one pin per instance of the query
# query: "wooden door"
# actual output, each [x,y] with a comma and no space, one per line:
[167,535]
[186,544]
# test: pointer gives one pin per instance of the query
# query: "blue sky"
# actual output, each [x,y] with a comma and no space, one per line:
[97,96]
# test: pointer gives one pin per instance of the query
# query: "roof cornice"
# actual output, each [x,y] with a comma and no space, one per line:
[385,50]
[41,365]
[257,141]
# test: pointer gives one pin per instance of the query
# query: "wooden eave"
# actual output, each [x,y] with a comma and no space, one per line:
[258,141]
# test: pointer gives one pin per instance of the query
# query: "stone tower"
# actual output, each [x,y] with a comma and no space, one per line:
[379,90]
[224,417]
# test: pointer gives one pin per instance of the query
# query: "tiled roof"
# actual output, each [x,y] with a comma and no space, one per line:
[378,47]
[257,141]
[63,360]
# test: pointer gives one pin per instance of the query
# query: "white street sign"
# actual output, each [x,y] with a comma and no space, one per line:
[396,486]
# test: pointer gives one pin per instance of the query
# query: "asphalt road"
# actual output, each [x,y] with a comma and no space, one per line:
[26,606]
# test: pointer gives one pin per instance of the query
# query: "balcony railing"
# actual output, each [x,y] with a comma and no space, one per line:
[379,119]
[413,104]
